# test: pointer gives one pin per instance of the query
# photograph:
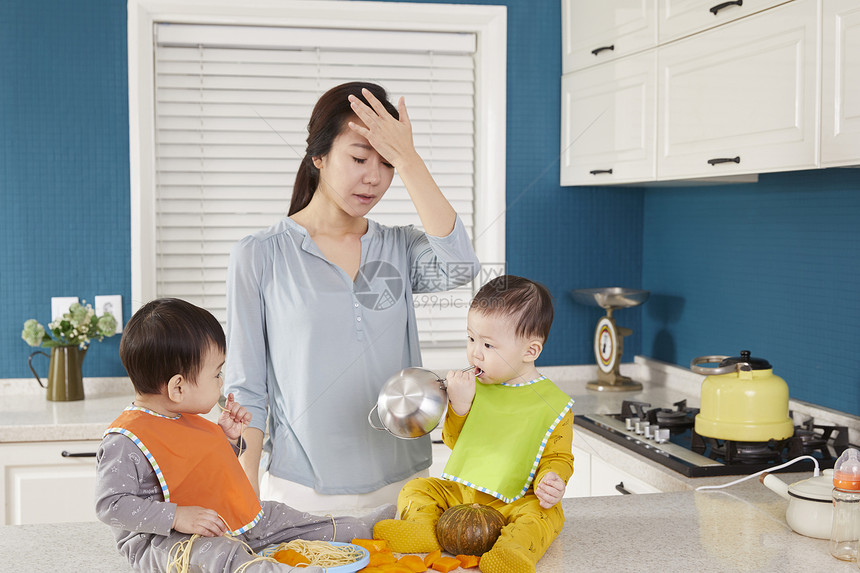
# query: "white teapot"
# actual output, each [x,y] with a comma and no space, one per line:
[810,503]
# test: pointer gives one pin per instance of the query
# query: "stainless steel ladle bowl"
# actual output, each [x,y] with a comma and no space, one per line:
[411,403]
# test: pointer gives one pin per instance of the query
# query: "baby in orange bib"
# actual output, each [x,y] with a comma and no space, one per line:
[165,472]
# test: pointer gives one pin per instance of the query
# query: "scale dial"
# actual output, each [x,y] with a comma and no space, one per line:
[606,344]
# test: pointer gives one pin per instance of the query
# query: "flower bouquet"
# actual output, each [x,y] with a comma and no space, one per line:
[68,337]
[75,328]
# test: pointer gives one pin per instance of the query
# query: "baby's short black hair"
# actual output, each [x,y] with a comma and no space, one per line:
[528,302]
[165,337]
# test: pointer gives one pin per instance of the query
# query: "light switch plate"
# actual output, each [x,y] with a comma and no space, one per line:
[111,304]
[60,306]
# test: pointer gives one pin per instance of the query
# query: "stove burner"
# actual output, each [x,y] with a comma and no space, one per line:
[675,420]
[807,441]
[731,451]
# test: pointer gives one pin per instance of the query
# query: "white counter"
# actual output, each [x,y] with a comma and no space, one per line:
[741,528]
[26,416]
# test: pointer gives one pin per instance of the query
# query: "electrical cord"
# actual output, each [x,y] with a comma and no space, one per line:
[816,472]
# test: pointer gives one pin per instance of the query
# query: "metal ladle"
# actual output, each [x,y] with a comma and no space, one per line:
[411,403]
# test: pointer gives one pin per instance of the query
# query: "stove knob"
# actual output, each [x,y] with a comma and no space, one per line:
[640,427]
[629,423]
[651,431]
[662,435]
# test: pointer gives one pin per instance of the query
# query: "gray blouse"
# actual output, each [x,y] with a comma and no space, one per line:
[310,348]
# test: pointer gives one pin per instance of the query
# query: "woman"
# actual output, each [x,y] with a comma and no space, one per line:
[320,310]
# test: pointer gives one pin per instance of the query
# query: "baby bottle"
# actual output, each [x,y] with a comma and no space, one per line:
[845,531]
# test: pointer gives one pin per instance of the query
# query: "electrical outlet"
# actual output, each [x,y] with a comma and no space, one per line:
[110,304]
[60,306]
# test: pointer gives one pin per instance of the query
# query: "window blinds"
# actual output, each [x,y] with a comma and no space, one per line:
[231,111]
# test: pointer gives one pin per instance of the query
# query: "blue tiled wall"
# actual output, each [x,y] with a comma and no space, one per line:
[772,267]
[763,266]
[64,225]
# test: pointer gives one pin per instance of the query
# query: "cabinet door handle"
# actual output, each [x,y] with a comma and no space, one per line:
[596,51]
[724,160]
[600,171]
[719,7]
[67,454]
[620,487]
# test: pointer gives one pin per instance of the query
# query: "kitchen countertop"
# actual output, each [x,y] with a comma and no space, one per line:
[740,528]
[26,416]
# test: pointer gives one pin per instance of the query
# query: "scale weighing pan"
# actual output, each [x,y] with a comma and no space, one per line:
[611,297]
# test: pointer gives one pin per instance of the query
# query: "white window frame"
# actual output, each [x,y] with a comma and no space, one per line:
[488,23]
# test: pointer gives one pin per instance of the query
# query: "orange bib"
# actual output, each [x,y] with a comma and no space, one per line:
[194,463]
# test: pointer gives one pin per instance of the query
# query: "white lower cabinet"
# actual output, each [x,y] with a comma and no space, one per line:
[38,484]
[609,480]
[594,476]
[579,484]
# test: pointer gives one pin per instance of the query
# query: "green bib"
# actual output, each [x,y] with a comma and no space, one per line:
[504,436]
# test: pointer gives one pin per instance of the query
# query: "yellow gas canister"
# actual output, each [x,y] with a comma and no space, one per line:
[742,400]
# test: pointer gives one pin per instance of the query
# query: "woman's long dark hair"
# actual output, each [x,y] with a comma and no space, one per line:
[328,120]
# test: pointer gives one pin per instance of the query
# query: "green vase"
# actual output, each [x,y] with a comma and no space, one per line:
[65,380]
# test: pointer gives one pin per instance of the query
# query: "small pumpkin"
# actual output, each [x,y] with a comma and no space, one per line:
[469,529]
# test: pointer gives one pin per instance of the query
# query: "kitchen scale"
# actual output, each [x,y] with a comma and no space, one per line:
[609,337]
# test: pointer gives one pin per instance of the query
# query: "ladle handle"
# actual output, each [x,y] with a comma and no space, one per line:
[369,421]
[444,383]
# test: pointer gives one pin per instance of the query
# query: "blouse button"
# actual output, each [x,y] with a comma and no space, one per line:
[358,318]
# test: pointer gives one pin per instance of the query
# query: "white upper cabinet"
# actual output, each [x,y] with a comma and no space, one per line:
[596,31]
[608,122]
[743,97]
[679,18]
[840,89]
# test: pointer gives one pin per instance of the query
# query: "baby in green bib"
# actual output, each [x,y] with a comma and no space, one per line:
[510,430]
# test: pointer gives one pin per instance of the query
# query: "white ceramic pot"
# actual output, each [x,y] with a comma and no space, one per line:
[810,503]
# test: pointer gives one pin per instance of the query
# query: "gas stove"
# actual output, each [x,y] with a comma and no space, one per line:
[667,436]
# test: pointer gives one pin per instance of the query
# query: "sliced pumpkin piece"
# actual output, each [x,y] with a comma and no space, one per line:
[290,557]
[445,564]
[382,558]
[394,568]
[468,561]
[431,557]
[415,563]
[372,545]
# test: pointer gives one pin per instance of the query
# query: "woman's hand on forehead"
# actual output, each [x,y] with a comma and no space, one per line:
[391,137]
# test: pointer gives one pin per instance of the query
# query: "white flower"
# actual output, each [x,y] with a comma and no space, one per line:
[75,328]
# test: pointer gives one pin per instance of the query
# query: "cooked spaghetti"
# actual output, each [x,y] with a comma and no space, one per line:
[323,553]
[179,556]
